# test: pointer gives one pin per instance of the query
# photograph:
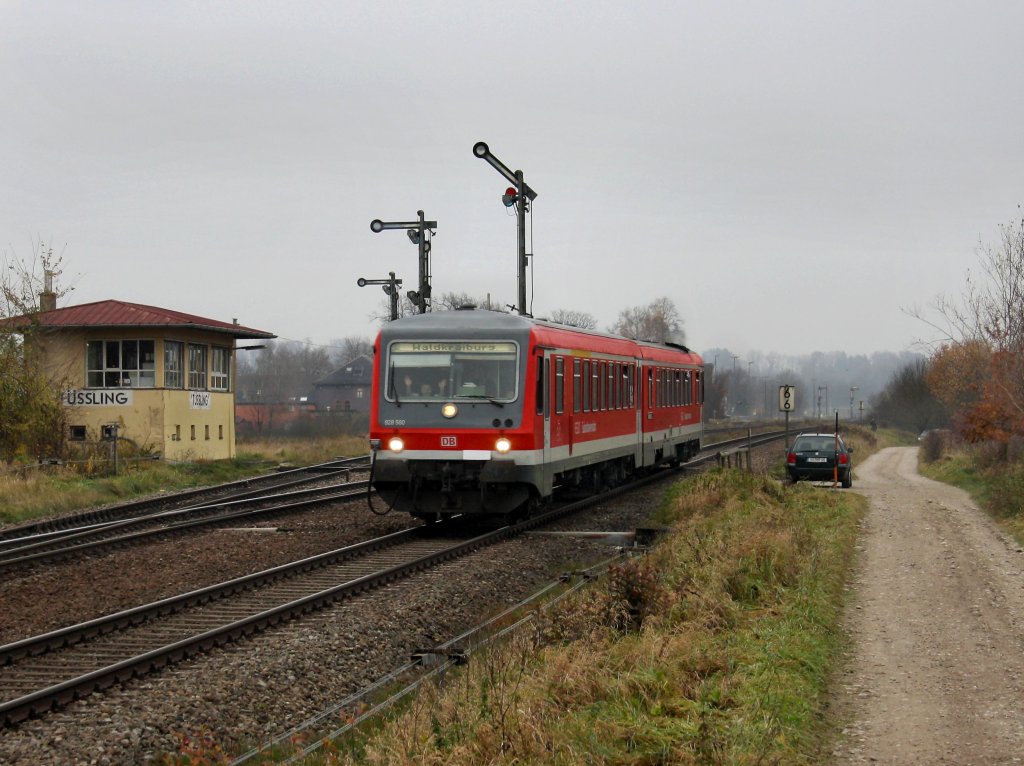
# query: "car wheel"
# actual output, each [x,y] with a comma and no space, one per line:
[848,480]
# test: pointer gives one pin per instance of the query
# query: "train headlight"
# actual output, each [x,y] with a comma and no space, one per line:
[449,410]
[503,445]
[396,444]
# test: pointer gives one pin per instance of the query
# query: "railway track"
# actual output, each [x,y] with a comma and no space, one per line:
[53,669]
[235,490]
[97,533]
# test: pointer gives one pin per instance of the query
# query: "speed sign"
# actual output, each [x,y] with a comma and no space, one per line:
[787,398]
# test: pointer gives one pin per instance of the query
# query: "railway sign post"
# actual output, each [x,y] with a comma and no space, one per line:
[787,404]
[419,234]
[521,196]
[390,288]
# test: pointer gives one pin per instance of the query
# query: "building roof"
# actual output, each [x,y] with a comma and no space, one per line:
[357,372]
[117,314]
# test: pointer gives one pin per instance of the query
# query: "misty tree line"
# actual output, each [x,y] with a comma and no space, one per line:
[972,381]
[286,369]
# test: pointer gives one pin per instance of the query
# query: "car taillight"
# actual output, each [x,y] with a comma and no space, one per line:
[791,458]
[844,459]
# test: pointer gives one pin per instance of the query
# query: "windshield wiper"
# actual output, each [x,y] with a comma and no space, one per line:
[391,379]
[491,399]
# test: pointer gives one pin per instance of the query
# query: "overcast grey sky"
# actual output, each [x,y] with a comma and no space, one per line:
[790,174]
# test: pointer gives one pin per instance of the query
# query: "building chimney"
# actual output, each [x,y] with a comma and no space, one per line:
[47,298]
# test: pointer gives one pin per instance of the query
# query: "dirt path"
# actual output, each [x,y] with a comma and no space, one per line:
[936,674]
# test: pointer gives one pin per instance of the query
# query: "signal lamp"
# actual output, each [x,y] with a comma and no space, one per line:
[449,410]
[414,236]
[503,445]
[395,444]
[510,197]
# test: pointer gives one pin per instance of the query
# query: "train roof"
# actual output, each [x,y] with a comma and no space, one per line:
[495,324]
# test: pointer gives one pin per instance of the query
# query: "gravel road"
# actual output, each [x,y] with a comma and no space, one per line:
[936,672]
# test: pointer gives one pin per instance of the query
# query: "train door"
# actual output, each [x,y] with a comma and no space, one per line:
[636,397]
[544,400]
[561,421]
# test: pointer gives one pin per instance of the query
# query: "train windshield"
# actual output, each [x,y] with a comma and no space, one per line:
[445,370]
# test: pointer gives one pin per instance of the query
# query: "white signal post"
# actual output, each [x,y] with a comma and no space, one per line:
[787,404]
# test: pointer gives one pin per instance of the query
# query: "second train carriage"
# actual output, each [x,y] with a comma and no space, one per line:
[482,412]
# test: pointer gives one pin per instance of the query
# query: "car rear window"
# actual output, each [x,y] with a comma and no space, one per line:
[815,444]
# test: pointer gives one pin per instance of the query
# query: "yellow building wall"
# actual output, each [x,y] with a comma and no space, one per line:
[180,424]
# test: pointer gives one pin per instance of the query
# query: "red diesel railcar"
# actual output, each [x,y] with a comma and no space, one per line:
[482,412]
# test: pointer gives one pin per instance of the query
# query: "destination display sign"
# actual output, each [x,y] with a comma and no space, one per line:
[460,347]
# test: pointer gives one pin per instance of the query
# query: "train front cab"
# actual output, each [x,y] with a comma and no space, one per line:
[465,446]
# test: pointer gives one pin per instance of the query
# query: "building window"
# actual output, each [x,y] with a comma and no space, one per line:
[220,432]
[207,433]
[359,393]
[193,433]
[220,368]
[196,367]
[174,364]
[77,433]
[120,364]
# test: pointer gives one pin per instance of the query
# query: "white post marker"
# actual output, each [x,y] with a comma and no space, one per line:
[787,404]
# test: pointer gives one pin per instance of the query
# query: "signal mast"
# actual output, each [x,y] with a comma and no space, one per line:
[520,196]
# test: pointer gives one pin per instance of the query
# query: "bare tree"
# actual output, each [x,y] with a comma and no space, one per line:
[573,318]
[986,327]
[346,349]
[32,422]
[22,280]
[659,320]
[283,371]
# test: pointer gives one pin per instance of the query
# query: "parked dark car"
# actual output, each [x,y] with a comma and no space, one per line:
[815,456]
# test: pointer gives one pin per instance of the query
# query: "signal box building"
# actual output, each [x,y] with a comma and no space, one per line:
[164,378]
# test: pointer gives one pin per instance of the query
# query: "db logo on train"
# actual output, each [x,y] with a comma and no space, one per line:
[448,441]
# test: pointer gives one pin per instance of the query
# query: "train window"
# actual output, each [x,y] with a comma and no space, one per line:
[539,388]
[559,385]
[679,388]
[595,401]
[604,386]
[443,370]
[632,372]
[613,377]
[650,388]
[547,388]
[585,382]
[688,390]
[624,383]
[575,385]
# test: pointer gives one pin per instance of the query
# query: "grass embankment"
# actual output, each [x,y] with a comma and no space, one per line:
[996,485]
[714,648]
[58,489]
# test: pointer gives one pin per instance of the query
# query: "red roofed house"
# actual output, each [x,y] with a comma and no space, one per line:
[165,378]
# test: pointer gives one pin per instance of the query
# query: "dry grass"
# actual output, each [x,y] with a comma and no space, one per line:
[715,648]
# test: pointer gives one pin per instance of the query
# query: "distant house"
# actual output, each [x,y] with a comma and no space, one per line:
[160,378]
[347,389]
